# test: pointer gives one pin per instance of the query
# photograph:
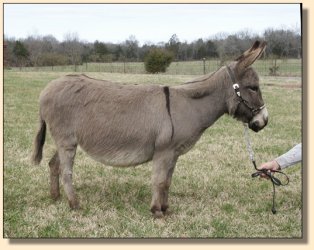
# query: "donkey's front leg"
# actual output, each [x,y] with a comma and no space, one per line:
[163,167]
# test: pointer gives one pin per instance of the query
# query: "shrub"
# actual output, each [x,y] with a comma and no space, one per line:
[157,60]
[52,59]
[273,70]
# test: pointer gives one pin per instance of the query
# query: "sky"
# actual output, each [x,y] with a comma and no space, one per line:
[149,23]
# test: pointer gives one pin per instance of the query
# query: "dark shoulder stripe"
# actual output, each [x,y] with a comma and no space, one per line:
[167,95]
[166,91]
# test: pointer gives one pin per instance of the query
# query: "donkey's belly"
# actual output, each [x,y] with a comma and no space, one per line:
[123,157]
[117,144]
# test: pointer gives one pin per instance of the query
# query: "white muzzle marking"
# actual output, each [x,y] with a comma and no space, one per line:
[260,120]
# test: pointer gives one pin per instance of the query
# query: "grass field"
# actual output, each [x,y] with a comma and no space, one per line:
[287,67]
[212,193]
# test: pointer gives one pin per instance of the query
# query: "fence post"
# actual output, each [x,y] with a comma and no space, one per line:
[204,61]
[177,66]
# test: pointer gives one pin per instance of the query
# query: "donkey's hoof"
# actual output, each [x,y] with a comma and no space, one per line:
[158,214]
[164,208]
[74,205]
[55,196]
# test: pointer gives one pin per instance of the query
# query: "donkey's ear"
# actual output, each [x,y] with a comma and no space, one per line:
[250,56]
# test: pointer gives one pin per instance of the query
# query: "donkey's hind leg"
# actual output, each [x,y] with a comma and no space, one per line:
[54,165]
[66,156]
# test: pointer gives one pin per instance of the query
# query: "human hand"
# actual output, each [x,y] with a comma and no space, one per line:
[270,165]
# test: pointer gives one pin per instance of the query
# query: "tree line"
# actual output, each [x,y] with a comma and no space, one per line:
[39,51]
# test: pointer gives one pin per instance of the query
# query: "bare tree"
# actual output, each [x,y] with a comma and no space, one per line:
[73,48]
[34,45]
[282,43]
[131,48]
[50,43]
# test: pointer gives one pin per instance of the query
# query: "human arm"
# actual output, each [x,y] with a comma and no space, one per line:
[292,157]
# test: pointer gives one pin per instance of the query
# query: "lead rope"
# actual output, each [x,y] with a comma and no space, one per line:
[275,181]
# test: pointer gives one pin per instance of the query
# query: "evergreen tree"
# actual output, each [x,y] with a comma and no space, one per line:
[157,60]
[21,53]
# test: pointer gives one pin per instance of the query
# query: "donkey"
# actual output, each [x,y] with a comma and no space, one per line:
[126,125]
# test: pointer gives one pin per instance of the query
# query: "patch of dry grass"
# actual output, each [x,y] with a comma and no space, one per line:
[212,193]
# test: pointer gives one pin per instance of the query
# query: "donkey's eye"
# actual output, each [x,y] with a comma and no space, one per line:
[253,88]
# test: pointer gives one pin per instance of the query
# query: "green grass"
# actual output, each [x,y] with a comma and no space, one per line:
[212,193]
[287,67]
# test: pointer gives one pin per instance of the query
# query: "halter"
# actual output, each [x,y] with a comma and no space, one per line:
[236,88]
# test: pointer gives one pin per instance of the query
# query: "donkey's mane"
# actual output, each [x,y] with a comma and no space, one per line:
[201,78]
[202,86]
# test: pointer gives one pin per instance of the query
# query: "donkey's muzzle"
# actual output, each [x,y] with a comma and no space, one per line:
[259,121]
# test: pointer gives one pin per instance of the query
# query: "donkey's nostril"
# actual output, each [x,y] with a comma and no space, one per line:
[255,126]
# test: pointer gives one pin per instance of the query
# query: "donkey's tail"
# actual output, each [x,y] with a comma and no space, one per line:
[39,142]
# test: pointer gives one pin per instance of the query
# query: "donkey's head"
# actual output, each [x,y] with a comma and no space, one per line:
[246,102]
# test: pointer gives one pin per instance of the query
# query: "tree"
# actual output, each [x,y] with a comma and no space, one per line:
[119,53]
[282,43]
[100,50]
[231,46]
[173,45]
[131,48]
[86,52]
[186,51]
[73,48]
[34,45]
[50,44]
[21,53]
[157,60]
[211,49]
[200,49]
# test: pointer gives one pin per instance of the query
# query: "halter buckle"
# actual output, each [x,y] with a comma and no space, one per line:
[236,87]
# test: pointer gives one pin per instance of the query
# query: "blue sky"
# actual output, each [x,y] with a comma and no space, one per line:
[147,22]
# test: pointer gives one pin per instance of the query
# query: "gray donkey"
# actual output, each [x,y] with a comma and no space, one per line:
[126,125]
